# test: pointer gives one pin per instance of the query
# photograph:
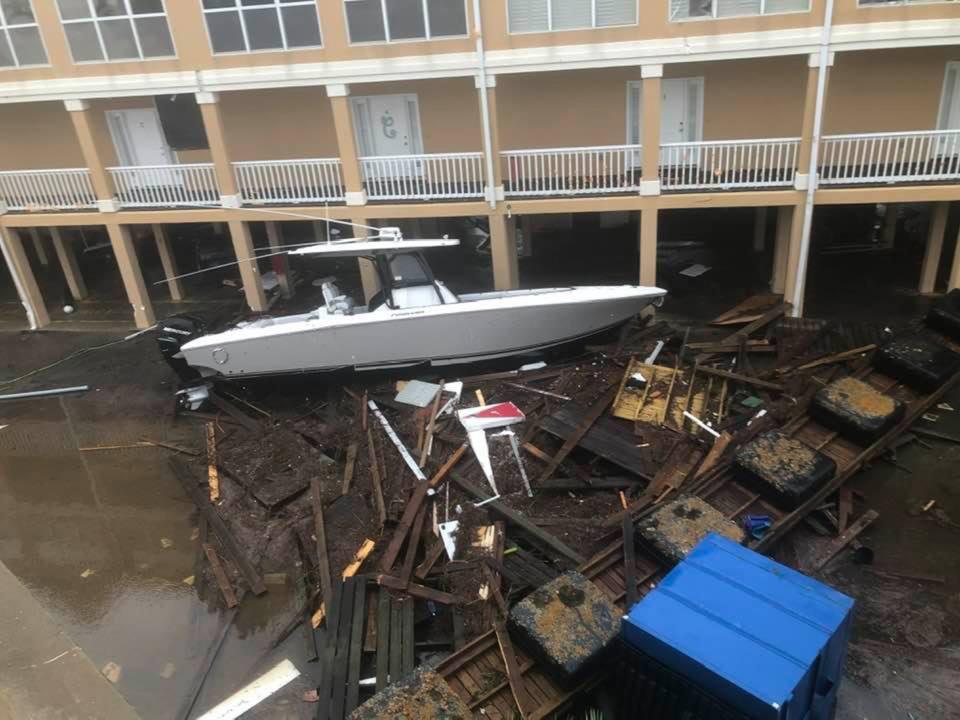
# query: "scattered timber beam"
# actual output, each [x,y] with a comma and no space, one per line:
[536,391]
[629,561]
[237,557]
[320,535]
[596,410]
[842,540]
[221,575]
[768,317]
[524,701]
[829,359]
[213,475]
[513,517]
[415,589]
[714,454]
[433,554]
[413,545]
[934,435]
[348,572]
[844,507]
[375,474]
[746,379]
[221,403]
[596,483]
[348,468]
[186,708]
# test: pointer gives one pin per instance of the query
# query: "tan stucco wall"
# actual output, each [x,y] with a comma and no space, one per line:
[37,135]
[886,90]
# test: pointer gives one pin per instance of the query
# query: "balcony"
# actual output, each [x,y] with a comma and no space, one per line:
[598,170]
[33,190]
[887,158]
[271,182]
[437,176]
[157,186]
[728,164]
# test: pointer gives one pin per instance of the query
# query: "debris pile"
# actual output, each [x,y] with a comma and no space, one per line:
[418,519]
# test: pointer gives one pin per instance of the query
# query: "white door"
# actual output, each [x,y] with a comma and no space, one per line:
[949,116]
[139,141]
[681,115]
[388,126]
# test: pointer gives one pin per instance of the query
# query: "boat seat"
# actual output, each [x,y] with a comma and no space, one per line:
[336,303]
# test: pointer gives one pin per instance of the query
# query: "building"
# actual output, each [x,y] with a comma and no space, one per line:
[138,115]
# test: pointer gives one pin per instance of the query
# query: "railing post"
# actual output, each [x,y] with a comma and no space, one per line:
[651,90]
[349,160]
[219,152]
[93,154]
[23,278]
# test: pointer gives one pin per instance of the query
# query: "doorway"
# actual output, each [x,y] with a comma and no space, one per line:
[139,142]
[388,126]
[681,112]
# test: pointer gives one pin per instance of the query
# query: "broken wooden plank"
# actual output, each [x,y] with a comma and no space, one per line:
[844,508]
[221,403]
[213,475]
[348,467]
[413,545]
[841,541]
[433,554]
[537,391]
[829,360]
[366,547]
[220,574]
[320,537]
[592,415]
[629,561]
[431,427]
[415,589]
[237,557]
[518,689]
[375,477]
[746,379]
[747,310]
[768,317]
[716,451]
[612,482]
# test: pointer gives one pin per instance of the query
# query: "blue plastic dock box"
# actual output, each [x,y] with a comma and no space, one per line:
[765,639]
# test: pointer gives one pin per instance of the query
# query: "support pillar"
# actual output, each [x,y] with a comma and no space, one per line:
[793,280]
[346,143]
[169,262]
[759,229]
[652,92]
[19,265]
[280,263]
[216,139]
[781,248]
[368,273]
[39,247]
[808,117]
[491,148]
[249,272]
[648,246]
[954,282]
[931,255]
[890,224]
[69,264]
[93,154]
[125,252]
[503,248]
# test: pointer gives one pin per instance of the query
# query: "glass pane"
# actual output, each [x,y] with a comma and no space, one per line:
[154,36]
[73,9]
[226,35]
[779,6]
[84,45]
[528,16]
[405,19]
[209,4]
[118,39]
[447,17]
[733,8]
[6,57]
[569,14]
[109,8]
[142,7]
[365,20]
[301,25]
[17,12]
[616,12]
[263,29]
[257,2]
[28,46]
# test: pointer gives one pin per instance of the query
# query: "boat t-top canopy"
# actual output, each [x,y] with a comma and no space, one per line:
[346,248]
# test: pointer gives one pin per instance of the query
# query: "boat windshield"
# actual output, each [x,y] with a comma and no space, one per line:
[407,270]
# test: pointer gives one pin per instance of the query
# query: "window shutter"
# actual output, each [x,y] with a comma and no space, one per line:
[616,12]
[733,8]
[569,14]
[634,113]
[528,16]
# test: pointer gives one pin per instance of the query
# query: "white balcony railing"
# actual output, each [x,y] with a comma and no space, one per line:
[166,185]
[64,189]
[290,181]
[890,157]
[722,164]
[573,171]
[424,176]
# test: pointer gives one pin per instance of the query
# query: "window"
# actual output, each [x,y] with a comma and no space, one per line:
[99,30]
[399,20]
[546,15]
[693,9]
[259,25]
[20,43]
[862,3]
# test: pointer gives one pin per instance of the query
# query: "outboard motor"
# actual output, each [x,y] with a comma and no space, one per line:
[175,332]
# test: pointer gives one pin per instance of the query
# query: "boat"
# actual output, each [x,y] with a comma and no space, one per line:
[413,319]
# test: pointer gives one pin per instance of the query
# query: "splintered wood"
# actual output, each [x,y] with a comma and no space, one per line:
[663,395]
[213,475]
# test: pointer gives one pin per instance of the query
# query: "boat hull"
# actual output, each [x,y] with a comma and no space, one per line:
[457,334]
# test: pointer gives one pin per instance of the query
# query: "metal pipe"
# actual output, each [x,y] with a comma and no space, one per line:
[484,104]
[46,393]
[24,298]
[813,177]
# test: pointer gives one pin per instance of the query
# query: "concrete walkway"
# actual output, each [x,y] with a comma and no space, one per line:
[43,674]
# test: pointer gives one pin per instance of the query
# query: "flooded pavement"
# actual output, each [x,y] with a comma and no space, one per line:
[105,541]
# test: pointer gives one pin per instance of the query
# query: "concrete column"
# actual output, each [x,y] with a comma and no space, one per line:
[759,229]
[125,252]
[93,154]
[493,150]
[249,272]
[793,254]
[280,263]
[652,92]
[807,121]
[503,249]
[19,265]
[219,152]
[648,246]
[346,142]
[931,255]
[368,273]
[69,264]
[39,247]
[954,282]
[169,262]
[890,224]
[781,248]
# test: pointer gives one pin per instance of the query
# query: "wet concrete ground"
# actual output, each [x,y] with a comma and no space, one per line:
[103,540]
